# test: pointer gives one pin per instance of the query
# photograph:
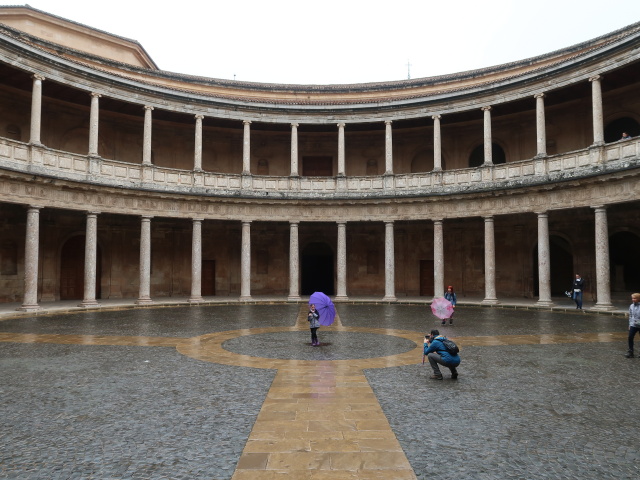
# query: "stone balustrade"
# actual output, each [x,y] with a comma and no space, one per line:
[37,160]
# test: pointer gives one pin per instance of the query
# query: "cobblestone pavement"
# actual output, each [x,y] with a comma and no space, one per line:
[520,409]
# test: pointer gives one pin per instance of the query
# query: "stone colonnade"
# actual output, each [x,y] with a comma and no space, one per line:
[36,122]
[32,248]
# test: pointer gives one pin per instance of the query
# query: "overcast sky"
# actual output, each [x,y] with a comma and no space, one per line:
[344,41]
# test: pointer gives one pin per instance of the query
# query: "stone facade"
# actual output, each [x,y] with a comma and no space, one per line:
[118,181]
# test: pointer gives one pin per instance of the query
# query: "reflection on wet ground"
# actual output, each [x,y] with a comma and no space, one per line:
[237,392]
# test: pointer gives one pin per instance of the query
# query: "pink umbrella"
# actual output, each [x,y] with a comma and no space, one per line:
[441,308]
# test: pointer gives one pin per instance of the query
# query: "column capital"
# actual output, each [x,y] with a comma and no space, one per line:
[340,125]
[486,108]
[38,77]
[197,219]
[295,125]
[148,107]
[198,116]
[246,122]
[294,222]
[488,218]
[34,207]
[389,222]
[595,78]
[599,207]
[246,222]
[542,213]
[437,220]
[341,222]
[96,95]
[436,117]
[146,217]
[539,95]
[388,122]
[94,213]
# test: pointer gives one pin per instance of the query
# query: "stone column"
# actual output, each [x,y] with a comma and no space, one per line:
[246,148]
[294,150]
[294,262]
[598,122]
[196,262]
[437,144]
[541,128]
[389,263]
[197,151]
[438,259]
[488,152]
[31,255]
[94,116]
[90,261]
[544,261]
[146,142]
[603,280]
[388,148]
[145,261]
[245,262]
[341,161]
[489,262]
[342,261]
[36,110]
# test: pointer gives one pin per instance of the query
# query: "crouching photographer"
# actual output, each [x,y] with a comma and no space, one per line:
[440,350]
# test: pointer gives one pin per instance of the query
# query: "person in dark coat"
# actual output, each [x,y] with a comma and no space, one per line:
[314,324]
[577,288]
[437,353]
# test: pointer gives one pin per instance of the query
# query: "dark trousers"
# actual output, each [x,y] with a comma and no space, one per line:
[314,335]
[435,359]
[632,333]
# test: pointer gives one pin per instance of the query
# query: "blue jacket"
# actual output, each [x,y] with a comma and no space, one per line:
[313,319]
[438,347]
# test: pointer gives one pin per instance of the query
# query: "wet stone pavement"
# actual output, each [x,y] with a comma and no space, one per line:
[520,409]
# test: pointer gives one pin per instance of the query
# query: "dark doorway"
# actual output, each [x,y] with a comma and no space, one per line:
[317,167]
[614,130]
[426,278]
[625,263]
[317,269]
[561,262]
[208,284]
[72,269]
[476,158]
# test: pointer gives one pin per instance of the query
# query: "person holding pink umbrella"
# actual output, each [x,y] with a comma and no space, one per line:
[451,296]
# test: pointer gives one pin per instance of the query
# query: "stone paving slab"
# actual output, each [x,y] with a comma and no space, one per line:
[530,401]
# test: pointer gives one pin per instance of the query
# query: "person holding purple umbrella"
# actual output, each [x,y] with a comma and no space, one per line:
[314,324]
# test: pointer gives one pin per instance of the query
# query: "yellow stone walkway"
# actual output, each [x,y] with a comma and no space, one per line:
[320,419]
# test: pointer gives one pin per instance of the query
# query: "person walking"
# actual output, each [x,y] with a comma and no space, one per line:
[314,323]
[437,353]
[451,296]
[634,321]
[577,288]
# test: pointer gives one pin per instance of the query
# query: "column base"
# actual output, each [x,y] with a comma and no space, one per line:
[144,301]
[340,298]
[545,303]
[389,299]
[89,303]
[293,298]
[489,301]
[245,298]
[29,308]
[196,300]
[603,307]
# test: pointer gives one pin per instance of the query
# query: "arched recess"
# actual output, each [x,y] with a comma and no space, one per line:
[625,263]
[422,161]
[317,262]
[561,262]
[72,269]
[476,158]
[613,130]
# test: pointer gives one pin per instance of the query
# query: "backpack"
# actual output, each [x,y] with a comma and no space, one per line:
[450,345]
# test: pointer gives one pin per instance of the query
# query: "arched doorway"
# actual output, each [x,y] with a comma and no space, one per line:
[561,261]
[317,269]
[625,264]
[72,269]
[614,130]
[476,158]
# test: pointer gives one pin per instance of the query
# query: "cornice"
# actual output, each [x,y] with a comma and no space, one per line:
[195,95]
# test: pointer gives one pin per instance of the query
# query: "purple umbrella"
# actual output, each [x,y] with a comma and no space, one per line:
[324,306]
